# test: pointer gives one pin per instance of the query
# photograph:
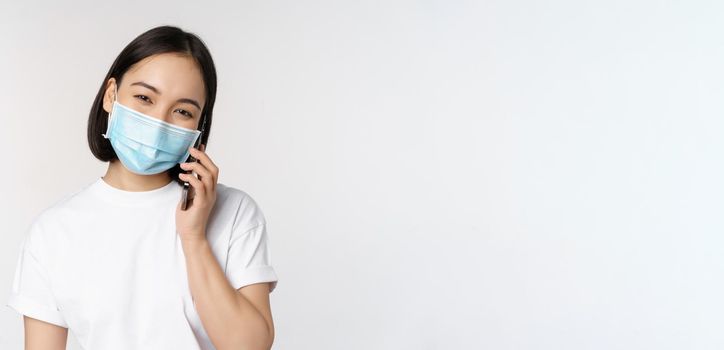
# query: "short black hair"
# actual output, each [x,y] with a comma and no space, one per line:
[162,39]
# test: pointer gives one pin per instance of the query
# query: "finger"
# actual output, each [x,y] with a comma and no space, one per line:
[198,168]
[205,175]
[196,186]
[205,160]
[203,157]
[195,183]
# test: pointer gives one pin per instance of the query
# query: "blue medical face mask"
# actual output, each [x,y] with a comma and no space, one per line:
[146,145]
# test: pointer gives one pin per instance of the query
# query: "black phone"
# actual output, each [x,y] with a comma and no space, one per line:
[185,191]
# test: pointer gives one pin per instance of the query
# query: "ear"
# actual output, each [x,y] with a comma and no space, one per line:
[108,95]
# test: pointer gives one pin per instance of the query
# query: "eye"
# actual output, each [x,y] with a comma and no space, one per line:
[185,112]
[143,97]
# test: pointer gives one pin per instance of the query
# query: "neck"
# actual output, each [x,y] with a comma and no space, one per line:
[119,177]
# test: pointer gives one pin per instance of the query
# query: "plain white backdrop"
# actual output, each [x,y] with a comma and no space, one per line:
[435,174]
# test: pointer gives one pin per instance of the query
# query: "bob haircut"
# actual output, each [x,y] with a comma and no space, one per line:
[163,39]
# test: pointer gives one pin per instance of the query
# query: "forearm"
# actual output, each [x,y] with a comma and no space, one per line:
[230,320]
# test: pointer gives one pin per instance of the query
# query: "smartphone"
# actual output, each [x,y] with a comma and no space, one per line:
[186,189]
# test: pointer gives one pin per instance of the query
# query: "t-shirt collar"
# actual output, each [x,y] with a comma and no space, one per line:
[170,191]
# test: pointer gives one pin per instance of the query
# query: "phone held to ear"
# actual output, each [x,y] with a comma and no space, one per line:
[185,192]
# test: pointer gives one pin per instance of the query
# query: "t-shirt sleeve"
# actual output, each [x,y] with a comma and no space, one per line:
[249,258]
[31,292]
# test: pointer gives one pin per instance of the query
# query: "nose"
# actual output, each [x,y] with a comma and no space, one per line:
[161,112]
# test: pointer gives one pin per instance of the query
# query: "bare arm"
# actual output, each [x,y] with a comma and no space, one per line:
[41,335]
[233,318]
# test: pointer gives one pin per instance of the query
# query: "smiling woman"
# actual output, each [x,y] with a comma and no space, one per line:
[160,71]
[119,261]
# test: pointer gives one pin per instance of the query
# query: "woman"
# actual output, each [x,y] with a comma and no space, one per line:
[123,262]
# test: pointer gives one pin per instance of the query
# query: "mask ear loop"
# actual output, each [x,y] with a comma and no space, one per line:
[185,190]
[203,127]
[198,140]
[115,98]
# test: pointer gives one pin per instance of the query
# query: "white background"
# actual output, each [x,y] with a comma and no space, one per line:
[435,174]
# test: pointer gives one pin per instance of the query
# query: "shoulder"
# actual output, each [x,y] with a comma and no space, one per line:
[39,234]
[246,210]
[56,214]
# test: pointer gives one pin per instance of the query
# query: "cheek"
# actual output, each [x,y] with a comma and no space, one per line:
[188,124]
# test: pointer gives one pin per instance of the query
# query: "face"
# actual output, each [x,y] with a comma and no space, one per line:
[168,86]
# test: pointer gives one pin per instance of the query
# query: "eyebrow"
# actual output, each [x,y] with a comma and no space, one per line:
[183,100]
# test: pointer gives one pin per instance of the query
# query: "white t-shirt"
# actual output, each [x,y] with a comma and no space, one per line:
[108,265]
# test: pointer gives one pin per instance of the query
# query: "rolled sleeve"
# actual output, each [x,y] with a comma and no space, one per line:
[31,292]
[249,258]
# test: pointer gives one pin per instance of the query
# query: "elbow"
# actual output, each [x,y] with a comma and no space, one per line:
[250,341]
[263,343]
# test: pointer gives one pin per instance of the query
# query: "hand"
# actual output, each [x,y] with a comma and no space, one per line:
[191,223]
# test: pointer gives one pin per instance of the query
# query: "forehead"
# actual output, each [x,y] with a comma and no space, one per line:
[174,75]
